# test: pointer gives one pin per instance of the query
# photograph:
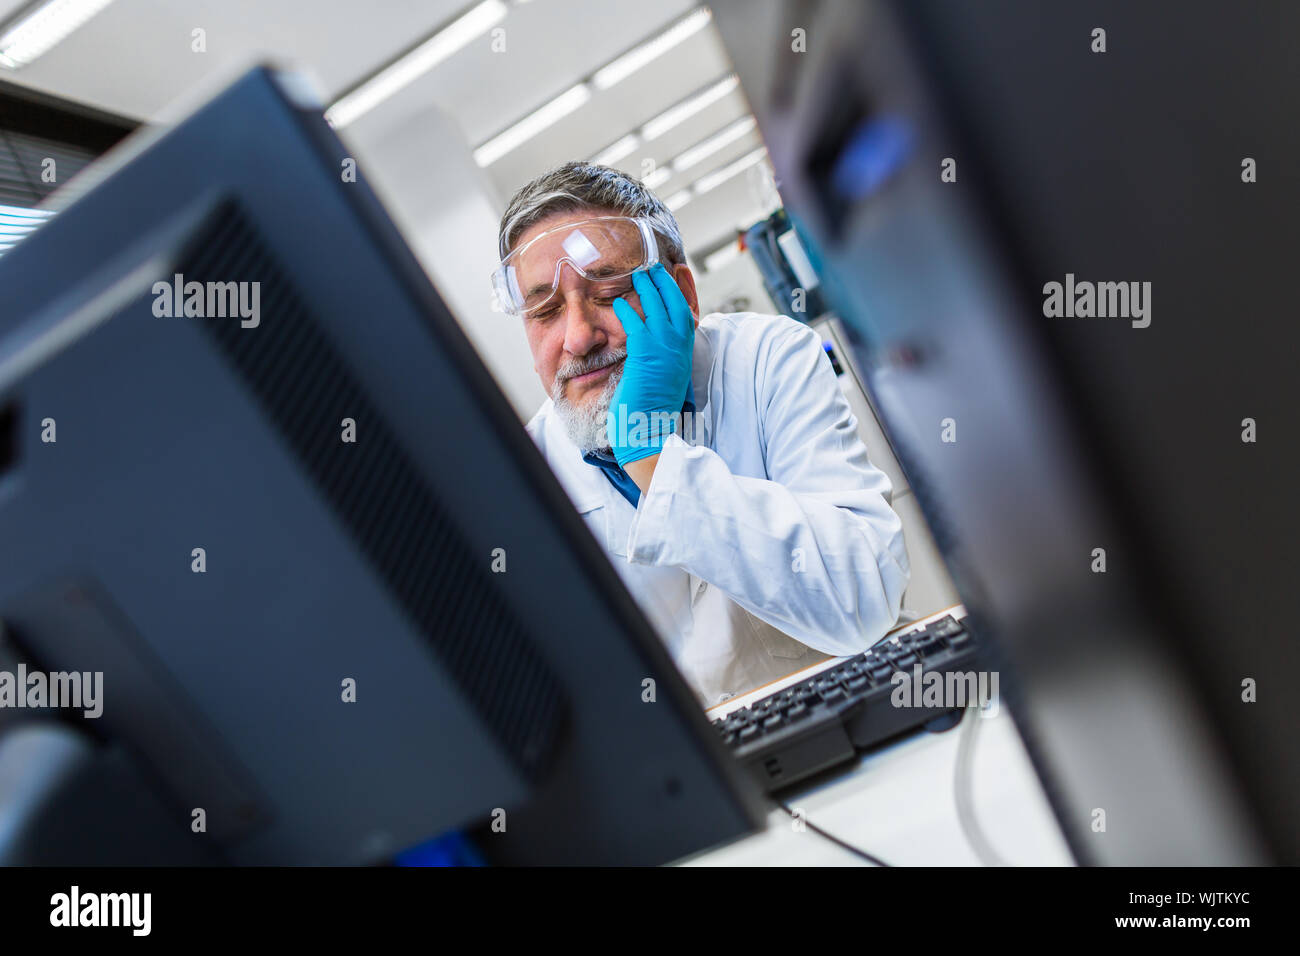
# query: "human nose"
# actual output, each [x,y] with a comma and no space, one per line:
[580,315]
[582,332]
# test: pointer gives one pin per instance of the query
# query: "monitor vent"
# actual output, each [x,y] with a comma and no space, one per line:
[397,521]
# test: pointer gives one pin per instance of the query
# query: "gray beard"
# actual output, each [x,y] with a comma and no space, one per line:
[585,424]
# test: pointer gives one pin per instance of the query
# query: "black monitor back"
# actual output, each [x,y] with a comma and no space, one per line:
[381,639]
[1078,434]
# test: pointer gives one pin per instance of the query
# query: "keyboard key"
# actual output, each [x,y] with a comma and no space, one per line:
[945,627]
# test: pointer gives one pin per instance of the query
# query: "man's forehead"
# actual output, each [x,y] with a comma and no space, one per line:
[557,219]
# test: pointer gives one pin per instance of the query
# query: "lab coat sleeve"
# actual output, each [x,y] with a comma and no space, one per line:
[815,549]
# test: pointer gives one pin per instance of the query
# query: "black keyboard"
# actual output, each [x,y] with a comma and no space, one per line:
[828,718]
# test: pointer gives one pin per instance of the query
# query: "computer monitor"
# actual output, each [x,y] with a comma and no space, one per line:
[253,473]
[1109,516]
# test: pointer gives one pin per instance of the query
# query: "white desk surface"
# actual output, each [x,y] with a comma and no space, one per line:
[898,803]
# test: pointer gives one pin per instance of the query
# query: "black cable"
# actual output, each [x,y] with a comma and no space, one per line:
[874,860]
[964,792]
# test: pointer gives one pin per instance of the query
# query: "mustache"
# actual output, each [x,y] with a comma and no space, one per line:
[588,363]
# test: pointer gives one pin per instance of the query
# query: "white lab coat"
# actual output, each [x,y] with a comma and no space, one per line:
[766,541]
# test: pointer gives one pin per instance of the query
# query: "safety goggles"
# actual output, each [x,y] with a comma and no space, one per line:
[602,250]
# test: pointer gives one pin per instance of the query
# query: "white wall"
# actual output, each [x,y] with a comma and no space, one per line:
[423,170]
[737,279]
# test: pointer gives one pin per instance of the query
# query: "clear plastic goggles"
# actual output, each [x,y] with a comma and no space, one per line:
[602,250]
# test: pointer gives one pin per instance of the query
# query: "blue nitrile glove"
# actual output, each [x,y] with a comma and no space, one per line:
[650,394]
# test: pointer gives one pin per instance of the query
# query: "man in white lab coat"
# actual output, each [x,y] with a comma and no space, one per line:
[749,525]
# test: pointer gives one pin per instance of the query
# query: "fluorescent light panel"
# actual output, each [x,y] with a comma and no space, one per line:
[456,35]
[657,178]
[718,177]
[607,76]
[639,56]
[672,117]
[615,151]
[528,127]
[702,151]
[676,115]
[43,28]
[678,199]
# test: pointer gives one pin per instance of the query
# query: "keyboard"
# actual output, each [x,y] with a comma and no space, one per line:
[831,716]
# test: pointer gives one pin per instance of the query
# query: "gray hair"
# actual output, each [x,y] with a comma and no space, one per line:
[578,185]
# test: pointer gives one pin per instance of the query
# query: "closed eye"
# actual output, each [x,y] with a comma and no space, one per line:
[603,297]
[608,295]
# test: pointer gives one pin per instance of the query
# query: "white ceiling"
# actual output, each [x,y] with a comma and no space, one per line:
[135,57]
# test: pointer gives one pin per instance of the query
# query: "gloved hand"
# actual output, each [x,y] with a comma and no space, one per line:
[648,400]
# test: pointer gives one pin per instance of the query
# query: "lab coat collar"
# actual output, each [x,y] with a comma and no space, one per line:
[699,432]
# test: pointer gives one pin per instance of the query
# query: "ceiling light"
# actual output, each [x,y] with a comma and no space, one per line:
[415,64]
[615,151]
[44,27]
[702,151]
[657,178]
[668,119]
[528,127]
[676,115]
[677,200]
[720,176]
[639,56]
